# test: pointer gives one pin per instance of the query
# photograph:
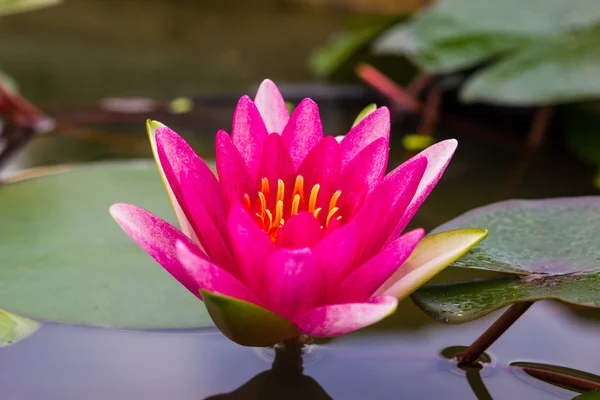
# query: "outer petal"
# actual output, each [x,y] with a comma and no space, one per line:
[339,319]
[361,284]
[208,276]
[246,323]
[234,178]
[252,247]
[432,255]
[210,225]
[386,206]
[158,238]
[303,131]
[272,107]
[249,133]
[176,156]
[301,230]
[438,156]
[152,127]
[294,282]
[374,126]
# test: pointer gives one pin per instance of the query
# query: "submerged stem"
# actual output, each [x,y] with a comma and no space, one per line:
[477,385]
[288,357]
[483,342]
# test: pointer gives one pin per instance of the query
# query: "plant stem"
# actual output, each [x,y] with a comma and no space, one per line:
[483,342]
[539,126]
[288,358]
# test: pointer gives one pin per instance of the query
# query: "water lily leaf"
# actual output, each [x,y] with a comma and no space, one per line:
[246,323]
[8,7]
[430,257]
[550,71]
[595,395]
[14,328]
[455,34]
[549,246]
[64,259]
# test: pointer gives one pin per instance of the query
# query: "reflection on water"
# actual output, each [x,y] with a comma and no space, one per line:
[62,362]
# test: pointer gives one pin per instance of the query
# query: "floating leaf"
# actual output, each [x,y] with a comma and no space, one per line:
[562,69]
[416,142]
[63,258]
[14,328]
[568,378]
[549,246]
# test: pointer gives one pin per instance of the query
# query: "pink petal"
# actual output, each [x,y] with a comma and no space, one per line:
[374,126]
[272,107]
[339,319]
[251,247]
[152,128]
[210,225]
[234,177]
[158,238]
[362,175]
[294,282]
[276,164]
[249,133]
[438,156]
[303,131]
[208,276]
[361,284]
[301,230]
[176,156]
[322,166]
[386,206]
[336,253]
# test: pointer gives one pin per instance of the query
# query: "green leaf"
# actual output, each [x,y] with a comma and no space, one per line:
[561,69]
[430,257]
[595,395]
[455,34]
[63,258]
[248,324]
[550,246]
[416,142]
[8,7]
[14,328]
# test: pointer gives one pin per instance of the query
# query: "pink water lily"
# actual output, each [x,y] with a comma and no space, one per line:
[300,233]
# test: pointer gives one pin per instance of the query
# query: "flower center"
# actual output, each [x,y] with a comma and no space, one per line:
[271,217]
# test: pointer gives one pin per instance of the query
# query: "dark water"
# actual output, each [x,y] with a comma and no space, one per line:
[80,58]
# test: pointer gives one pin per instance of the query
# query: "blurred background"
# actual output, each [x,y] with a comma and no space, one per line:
[516,83]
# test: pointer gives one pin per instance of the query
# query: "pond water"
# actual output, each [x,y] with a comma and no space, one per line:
[397,358]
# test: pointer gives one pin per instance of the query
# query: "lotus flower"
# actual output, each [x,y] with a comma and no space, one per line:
[300,232]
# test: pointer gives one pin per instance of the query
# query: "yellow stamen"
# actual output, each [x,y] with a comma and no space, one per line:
[312,201]
[247,203]
[334,199]
[263,204]
[316,213]
[299,187]
[295,205]
[264,187]
[332,212]
[278,213]
[268,221]
[280,190]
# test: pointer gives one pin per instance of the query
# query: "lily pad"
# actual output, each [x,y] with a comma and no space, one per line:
[557,70]
[549,248]
[14,328]
[63,258]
